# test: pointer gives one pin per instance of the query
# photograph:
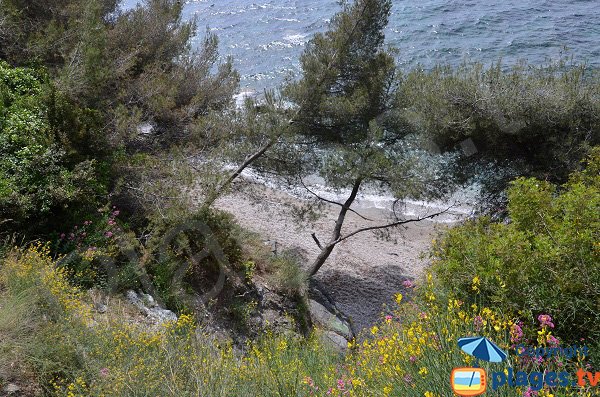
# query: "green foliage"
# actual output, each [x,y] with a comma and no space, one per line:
[534,121]
[41,174]
[544,261]
[133,66]
[187,252]
[287,275]
[76,352]
[346,75]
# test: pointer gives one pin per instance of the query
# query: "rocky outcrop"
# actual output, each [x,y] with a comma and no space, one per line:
[337,329]
[149,307]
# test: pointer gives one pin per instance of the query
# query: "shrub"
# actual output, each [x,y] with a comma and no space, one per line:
[189,251]
[43,181]
[411,353]
[545,260]
[532,121]
[287,275]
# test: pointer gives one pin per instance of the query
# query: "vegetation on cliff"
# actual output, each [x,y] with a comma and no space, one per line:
[117,136]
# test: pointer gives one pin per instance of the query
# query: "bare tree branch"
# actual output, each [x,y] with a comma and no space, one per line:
[393,224]
[332,202]
[314,236]
[249,160]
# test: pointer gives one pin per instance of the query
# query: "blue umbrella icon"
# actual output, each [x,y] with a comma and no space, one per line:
[482,348]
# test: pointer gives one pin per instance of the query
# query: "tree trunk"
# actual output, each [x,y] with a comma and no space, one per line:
[214,195]
[337,231]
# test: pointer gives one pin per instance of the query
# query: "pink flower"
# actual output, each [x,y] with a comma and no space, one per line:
[62,236]
[516,333]
[553,341]
[545,320]
[408,284]
[478,322]
[104,372]
[412,359]
[341,384]
[388,318]
[108,234]
[530,393]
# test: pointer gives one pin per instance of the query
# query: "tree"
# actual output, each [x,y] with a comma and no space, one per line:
[349,121]
[135,66]
[46,178]
[342,122]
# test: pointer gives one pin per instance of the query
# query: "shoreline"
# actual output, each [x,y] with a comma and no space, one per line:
[364,272]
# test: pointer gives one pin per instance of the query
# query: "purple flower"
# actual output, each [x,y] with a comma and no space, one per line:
[553,341]
[545,320]
[530,393]
[516,333]
[478,322]
[408,284]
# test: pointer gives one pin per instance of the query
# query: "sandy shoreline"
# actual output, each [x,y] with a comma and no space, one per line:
[364,272]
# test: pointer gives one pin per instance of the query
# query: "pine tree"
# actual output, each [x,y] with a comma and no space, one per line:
[346,110]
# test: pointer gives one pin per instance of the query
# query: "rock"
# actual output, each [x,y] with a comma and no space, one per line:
[100,308]
[132,297]
[11,388]
[155,312]
[335,340]
[148,300]
[145,129]
[327,320]
[160,315]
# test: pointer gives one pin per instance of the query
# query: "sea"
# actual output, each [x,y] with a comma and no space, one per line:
[266,38]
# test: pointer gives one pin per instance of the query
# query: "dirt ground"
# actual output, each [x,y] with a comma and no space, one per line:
[364,272]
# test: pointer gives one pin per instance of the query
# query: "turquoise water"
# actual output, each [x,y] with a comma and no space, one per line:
[266,37]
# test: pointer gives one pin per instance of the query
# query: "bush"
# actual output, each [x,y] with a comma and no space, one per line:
[545,260]
[411,353]
[43,180]
[189,252]
[287,275]
[533,121]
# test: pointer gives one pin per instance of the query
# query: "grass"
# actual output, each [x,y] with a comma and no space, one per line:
[61,345]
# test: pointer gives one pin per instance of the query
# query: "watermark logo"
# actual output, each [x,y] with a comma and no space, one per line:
[468,381]
[473,381]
